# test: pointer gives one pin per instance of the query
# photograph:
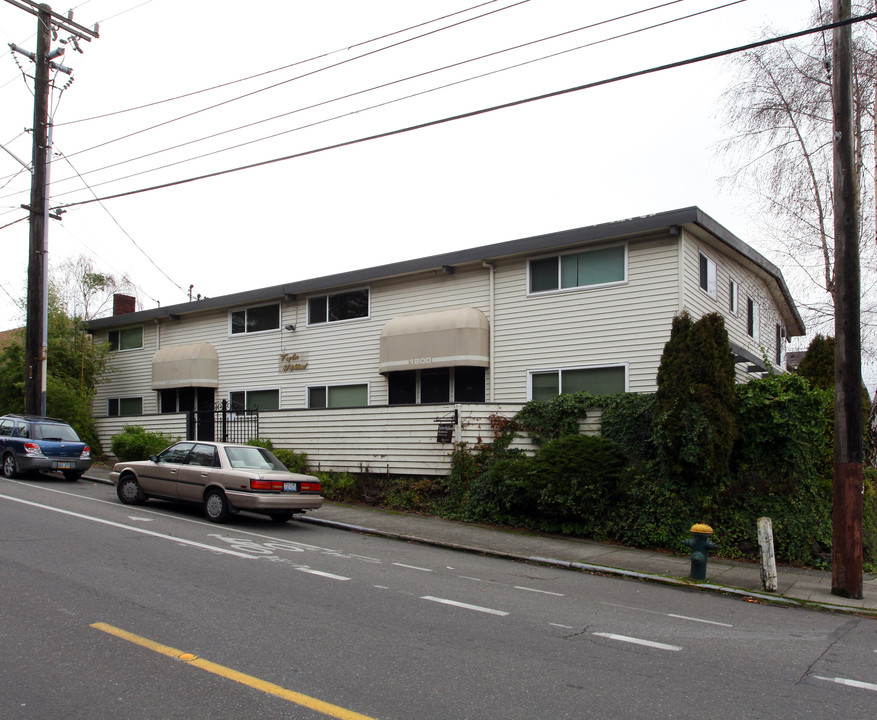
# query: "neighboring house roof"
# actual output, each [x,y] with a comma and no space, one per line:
[692,218]
[9,336]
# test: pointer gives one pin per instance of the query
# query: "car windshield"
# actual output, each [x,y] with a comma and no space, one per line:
[54,431]
[252,458]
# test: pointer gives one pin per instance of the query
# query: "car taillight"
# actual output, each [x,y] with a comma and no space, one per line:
[310,487]
[86,453]
[32,449]
[265,485]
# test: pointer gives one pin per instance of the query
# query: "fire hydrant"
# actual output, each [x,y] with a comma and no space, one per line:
[700,545]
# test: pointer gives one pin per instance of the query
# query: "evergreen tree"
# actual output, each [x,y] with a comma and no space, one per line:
[695,401]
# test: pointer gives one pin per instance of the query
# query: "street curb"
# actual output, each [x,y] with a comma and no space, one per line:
[590,568]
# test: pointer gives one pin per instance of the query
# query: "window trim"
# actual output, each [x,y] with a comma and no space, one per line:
[565,368]
[712,278]
[577,288]
[118,332]
[118,401]
[326,386]
[246,309]
[327,295]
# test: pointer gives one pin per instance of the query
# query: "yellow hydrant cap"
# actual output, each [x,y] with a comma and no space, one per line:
[702,529]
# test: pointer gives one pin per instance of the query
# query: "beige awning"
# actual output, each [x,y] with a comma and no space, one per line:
[193,365]
[447,338]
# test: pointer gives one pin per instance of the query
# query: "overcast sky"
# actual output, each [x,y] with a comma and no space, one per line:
[627,149]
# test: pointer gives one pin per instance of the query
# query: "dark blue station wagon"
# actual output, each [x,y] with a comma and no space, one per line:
[31,443]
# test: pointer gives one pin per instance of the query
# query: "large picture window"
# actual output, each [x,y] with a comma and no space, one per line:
[603,266]
[339,306]
[548,384]
[255,319]
[241,400]
[335,396]
[126,339]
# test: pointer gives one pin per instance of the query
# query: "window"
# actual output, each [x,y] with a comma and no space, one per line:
[707,276]
[333,396]
[241,400]
[340,306]
[780,355]
[124,406]
[126,339]
[546,385]
[733,292]
[256,319]
[752,318]
[436,385]
[582,269]
[203,456]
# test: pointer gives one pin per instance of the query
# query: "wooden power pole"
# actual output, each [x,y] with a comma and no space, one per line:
[846,569]
[36,333]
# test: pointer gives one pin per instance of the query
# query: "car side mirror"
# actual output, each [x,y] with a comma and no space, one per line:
[154,458]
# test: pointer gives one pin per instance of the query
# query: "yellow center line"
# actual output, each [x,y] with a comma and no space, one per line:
[253,682]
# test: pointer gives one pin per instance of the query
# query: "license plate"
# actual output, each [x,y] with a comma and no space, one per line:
[290,487]
[63,466]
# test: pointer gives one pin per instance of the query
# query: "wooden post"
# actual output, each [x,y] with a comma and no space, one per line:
[766,555]
[846,569]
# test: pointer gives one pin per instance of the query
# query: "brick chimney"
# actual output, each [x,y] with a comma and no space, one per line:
[124,304]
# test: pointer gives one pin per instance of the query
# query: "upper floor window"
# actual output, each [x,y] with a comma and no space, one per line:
[126,339]
[582,269]
[339,306]
[255,319]
[753,317]
[707,276]
[734,293]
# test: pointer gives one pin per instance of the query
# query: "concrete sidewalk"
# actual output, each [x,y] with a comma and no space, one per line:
[796,586]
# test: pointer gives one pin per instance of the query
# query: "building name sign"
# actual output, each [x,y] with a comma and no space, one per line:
[291,362]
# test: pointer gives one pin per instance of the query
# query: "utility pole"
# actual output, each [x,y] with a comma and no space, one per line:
[847,553]
[36,332]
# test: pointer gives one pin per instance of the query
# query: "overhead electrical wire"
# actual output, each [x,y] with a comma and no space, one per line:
[484,111]
[278,69]
[293,79]
[396,82]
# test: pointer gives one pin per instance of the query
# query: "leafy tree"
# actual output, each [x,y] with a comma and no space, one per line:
[74,367]
[85,292]
[817,365]
[695,400]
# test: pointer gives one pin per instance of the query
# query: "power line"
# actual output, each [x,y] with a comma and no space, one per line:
[484,111]
[278,69]
[293,79]
[396,82]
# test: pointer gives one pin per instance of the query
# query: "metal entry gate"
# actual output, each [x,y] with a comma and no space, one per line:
[221,423]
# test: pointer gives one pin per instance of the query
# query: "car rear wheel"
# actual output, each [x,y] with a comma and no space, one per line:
[216,506]
[10,467]
[281,517]
[129,491]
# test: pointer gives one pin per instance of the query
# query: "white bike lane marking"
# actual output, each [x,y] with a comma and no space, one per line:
[131,528]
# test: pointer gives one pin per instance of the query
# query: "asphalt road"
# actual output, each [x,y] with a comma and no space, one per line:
[152,612]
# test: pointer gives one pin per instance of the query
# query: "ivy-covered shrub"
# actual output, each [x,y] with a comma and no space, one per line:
[576,477]
[544,421]
[869,520]
[650,510]
[135,443]
[339,486]
[504,493]
[628,419]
